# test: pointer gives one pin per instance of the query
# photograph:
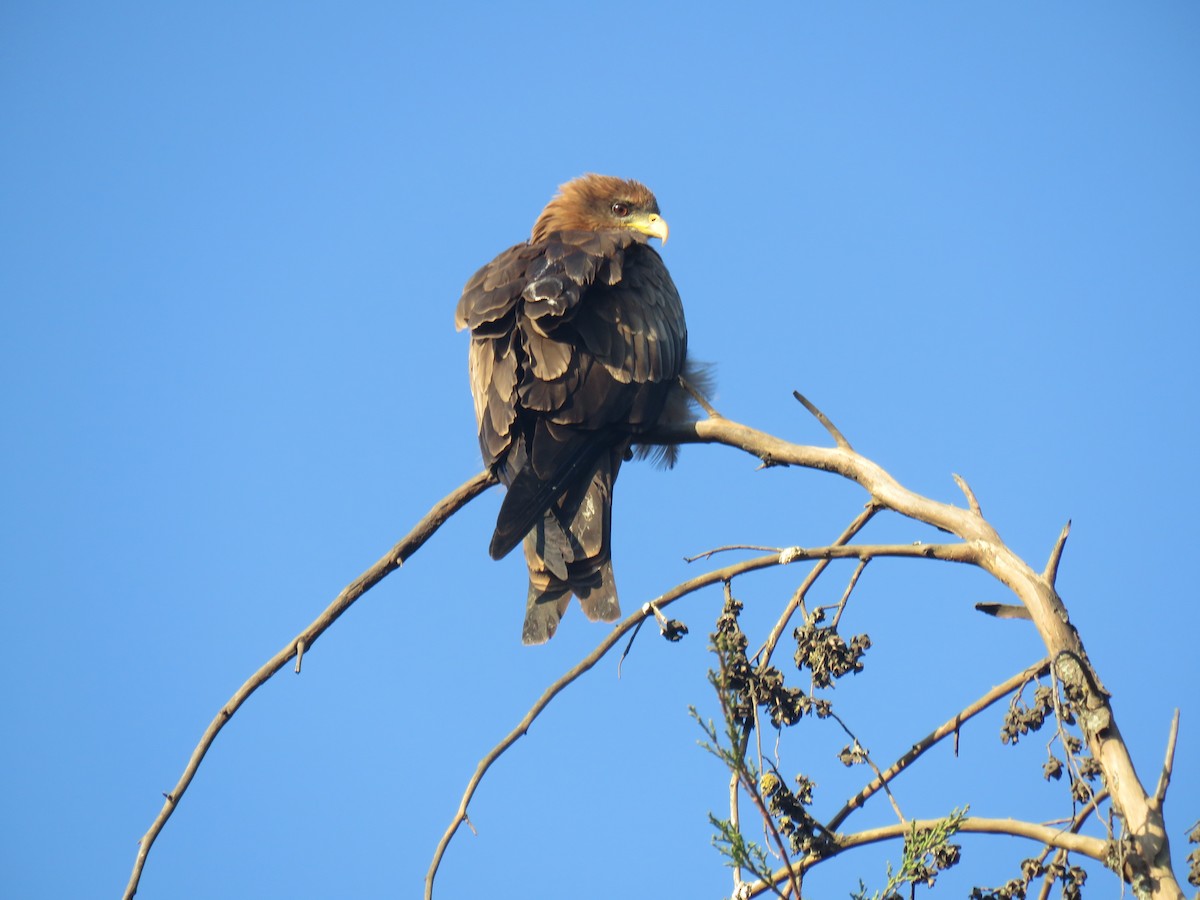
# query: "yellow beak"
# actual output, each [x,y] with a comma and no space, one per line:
[652,225]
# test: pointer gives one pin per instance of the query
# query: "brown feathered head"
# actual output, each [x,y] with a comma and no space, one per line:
[601,203]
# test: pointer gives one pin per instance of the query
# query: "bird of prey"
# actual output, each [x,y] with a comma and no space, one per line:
[578,342]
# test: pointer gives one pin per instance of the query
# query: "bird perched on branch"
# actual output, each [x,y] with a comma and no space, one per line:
[578,343]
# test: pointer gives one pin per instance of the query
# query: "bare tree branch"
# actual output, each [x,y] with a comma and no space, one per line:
[950,726]
[972,503]
[735,821]
[391,561]
[837,436]
[879,776]
[841,607]
[1164,778]
[1076,823]
[1004,611]
[1091,847]
[700,399]
[1051,572]
[708,554]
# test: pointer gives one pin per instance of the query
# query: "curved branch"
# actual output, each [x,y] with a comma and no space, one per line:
[1092,847]
[611,640]
[1164,778]
[1050,573]
[302,643]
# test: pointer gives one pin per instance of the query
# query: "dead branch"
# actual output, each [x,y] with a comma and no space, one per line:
[1051,571]
[972,503]
[837,436]
[1164,778]
[708,554]
[879,777]
[841,607]
[1091,847]
[1076,823]
[1004,611]
[392,560]
[951,726]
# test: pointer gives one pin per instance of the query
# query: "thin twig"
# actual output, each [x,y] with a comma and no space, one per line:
[1076,823]
[1060,856]
[951,726]
[1004,610]
[715,550]
[972,503]
[841,607]
[768,647]
[838,437]
[1051,572]
[1164,778]
[391,561]
[879,777]
[624,653]
[735,822]
[700,399]
[1075,774]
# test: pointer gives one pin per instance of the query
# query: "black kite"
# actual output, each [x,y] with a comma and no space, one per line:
[577,343]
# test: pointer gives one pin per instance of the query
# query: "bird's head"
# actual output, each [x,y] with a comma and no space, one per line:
[601,203]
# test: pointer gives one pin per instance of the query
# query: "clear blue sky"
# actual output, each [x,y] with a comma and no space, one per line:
[233,238]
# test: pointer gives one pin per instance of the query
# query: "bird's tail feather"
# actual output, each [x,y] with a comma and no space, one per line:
[568,553]
[529,495]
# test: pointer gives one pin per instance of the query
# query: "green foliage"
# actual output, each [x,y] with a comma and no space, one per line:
[927,851]
[738,852]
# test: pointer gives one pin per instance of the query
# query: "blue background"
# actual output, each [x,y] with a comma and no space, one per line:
[233,238]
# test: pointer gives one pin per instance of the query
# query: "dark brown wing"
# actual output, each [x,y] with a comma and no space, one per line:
[575,343]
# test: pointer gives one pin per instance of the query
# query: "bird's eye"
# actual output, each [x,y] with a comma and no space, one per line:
[620,210]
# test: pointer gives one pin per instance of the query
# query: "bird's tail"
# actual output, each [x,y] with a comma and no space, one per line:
[570,556]
[530,496]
